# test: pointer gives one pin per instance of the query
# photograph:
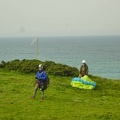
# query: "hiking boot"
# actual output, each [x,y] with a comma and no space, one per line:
[33,96]
[42,98]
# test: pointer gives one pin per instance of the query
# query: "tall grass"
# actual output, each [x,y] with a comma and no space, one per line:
[62,102]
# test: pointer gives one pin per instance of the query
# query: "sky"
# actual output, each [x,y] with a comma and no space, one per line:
[59,17]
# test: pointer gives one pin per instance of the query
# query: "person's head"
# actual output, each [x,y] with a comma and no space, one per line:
[40,67]
[83,62]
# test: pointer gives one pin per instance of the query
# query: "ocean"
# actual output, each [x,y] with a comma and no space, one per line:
[102,53]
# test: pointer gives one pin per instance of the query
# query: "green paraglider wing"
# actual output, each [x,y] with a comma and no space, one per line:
[83,83]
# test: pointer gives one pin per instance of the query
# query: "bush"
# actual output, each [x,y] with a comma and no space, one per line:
[2,65]
[31,66]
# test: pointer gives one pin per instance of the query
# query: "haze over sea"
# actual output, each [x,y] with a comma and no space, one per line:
[102,53]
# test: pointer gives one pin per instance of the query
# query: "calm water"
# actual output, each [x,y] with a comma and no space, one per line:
[102,54]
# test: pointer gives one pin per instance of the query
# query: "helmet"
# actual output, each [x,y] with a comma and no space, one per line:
[40,65]
[83,61]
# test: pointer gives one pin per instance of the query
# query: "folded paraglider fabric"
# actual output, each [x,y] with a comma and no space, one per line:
[83,82]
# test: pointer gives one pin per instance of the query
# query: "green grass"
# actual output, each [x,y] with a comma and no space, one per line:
[62,102]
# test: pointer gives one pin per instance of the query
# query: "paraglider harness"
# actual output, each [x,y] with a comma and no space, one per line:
[84,70]
[43,84]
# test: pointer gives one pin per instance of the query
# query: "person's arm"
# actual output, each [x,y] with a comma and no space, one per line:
[80,72]
[37,75]
[43,76]
[87,70]
[80,69]
[36,79]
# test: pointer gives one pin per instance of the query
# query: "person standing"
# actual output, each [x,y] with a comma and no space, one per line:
[40,82]
[83,69]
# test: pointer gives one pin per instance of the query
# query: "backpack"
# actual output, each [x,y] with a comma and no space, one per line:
[43,84]
[46,83]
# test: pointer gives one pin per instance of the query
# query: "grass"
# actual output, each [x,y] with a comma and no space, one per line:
[62,102]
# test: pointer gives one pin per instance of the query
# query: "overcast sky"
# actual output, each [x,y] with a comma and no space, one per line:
[59,17]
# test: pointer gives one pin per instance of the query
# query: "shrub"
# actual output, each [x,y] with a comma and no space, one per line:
[31,66]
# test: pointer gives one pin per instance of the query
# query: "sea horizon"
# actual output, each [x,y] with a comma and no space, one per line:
[102,53]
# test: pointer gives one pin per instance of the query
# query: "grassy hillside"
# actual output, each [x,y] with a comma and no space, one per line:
[62,102]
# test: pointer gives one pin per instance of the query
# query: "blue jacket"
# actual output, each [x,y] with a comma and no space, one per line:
[41,75]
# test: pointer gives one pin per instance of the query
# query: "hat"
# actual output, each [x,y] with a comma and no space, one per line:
[40,65]
[83,61]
